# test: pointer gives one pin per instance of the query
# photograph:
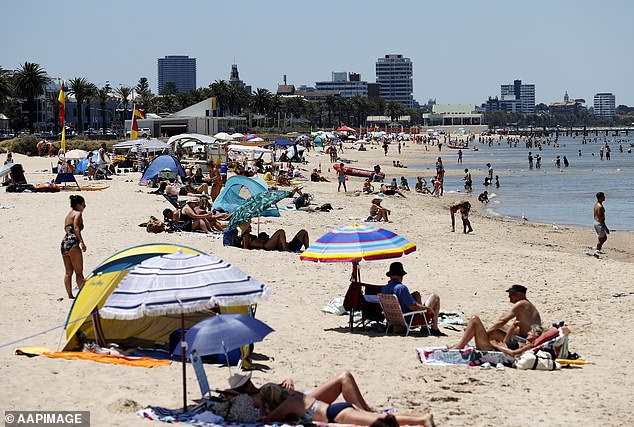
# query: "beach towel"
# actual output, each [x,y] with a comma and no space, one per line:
[141,362]
[441,356]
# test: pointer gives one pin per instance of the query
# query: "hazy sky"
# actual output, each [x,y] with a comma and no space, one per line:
[461,50]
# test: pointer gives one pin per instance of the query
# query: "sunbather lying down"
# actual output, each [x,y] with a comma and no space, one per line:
[320,406]
[276,242]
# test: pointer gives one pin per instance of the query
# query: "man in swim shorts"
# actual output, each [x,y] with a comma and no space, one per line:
[599,222]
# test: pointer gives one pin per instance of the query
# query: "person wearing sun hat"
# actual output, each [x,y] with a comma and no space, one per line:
[412,301]
[189,216]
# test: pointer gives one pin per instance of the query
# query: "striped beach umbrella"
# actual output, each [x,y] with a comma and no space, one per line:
[180,283]
[357,242]
[354,243]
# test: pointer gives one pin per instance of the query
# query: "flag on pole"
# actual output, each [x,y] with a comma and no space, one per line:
[62,109]
[134,131]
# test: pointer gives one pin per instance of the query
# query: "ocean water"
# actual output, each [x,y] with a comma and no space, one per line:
[551,195]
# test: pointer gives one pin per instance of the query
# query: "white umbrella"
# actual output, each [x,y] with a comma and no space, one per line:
[223,136]
[189,144]
[181,283]
[76,154]
[237,135]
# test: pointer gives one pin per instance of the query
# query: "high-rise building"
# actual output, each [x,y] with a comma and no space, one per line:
[348,85]
[604,104]
[177,69]
[395,75]
[519,97]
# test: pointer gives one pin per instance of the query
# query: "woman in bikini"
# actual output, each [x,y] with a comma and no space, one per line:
[282,405]
[73,244]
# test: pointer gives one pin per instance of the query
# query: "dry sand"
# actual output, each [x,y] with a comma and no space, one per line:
[470,272]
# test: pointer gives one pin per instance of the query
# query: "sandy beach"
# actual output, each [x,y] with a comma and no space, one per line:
[469,272]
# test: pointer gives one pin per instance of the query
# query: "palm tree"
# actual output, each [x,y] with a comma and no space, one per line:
[261,100]
[184,99]
[220,89]
[146,99]
[331,104]
[81,88]
[124,92]
[394,109]
[5,86]
[102,96]
[29,83]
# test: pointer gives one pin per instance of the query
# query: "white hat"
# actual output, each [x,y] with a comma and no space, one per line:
[242,228]
[237,380]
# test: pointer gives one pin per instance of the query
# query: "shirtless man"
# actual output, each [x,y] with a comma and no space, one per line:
[523,311]
[599,223]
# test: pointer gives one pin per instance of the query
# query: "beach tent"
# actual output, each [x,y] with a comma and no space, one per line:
[83,164]
[104,279]
[284,143]
[161,163]
[251,151]
[237,190]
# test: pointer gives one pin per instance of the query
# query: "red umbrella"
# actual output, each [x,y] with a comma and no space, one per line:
[345,128]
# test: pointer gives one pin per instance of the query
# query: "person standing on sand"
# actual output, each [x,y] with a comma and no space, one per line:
[341,178]
[73,245]
[599,223]
[464,207]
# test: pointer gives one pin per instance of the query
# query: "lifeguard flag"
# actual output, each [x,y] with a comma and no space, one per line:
[62,110]
[134,131]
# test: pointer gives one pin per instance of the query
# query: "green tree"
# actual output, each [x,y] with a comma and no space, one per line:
[81,89]
[261,101]
[142,86]
[102,96]
[6,90]
[184,99]
[29,83]
[331,105]
[220,89]
[125,92]
[394,110]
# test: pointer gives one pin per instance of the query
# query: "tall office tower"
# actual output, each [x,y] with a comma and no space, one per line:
[394,74]
[604,104]
[177,69]
[520,98]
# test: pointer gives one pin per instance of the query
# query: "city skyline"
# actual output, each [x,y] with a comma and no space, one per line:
[461,52]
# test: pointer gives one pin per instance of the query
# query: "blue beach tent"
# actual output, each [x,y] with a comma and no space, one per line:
[82,165]
[161,163]
[237,190]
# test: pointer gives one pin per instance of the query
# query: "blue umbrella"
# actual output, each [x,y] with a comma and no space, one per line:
[223,333]
[255,205]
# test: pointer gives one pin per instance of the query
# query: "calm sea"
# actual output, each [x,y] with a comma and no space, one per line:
[551,195]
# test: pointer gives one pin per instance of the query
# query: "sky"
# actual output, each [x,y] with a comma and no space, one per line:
[462,51]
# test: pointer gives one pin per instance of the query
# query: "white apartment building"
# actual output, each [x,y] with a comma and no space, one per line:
[604,104]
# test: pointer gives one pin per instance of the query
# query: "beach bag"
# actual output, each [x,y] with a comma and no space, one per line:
[155,225]
[539,360]
[240,409]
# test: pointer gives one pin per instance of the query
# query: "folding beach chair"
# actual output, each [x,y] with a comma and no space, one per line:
[66,177]
[173,200]
[394,315]
[201,376]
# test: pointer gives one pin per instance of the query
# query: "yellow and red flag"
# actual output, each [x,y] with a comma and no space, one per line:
[134,130]
[62,110]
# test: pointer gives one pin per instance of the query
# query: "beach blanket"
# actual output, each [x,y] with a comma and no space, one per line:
[141,362]
[441,356]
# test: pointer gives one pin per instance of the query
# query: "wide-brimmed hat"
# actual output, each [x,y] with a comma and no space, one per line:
[238,380]
[517,288]
[396,269]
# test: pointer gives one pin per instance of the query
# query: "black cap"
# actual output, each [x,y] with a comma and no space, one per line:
[517,288]
[396,269]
